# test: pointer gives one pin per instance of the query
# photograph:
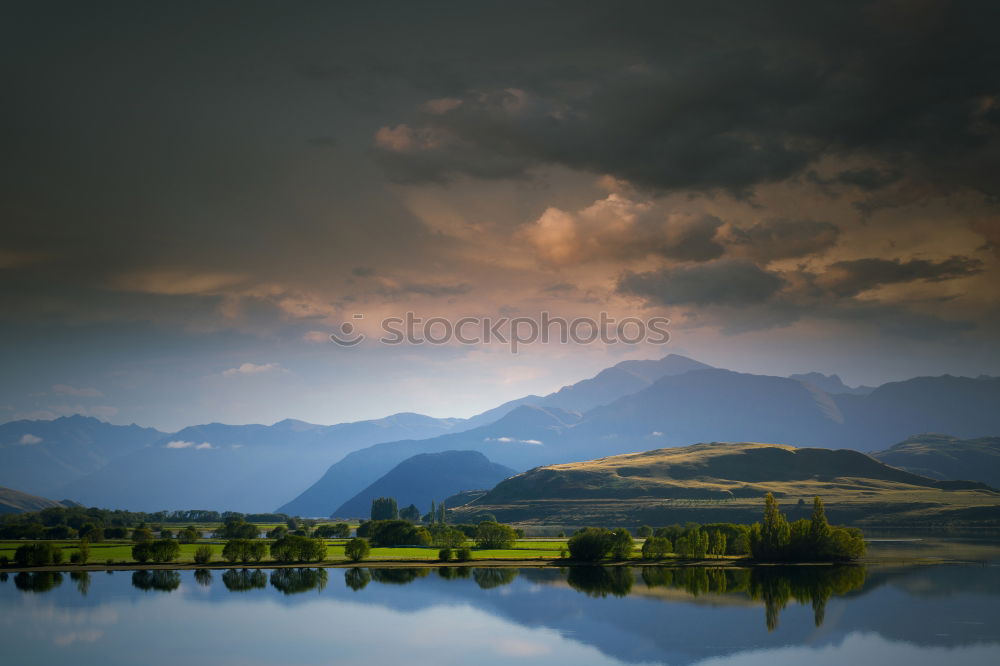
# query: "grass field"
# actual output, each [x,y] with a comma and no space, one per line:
[120,552]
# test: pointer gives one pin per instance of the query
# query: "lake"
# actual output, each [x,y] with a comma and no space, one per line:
[816,615]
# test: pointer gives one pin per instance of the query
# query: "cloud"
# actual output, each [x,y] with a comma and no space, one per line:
[618,228]
[316,336]
[29,440]
[169,282]
[781,239]
[182,444]
[66,389]
[253,369]
[514,440]
[442,105]
[848,278]
[732,102]
[723,282]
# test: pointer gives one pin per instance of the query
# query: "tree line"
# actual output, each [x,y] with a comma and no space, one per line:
[772,540]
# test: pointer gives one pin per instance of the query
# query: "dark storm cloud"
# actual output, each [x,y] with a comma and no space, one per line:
[783,239]
[847,278]
[724,282]
[672,97]
[695,241]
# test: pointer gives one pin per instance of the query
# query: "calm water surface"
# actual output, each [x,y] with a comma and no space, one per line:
[883,614]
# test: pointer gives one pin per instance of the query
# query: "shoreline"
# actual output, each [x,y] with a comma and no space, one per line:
[493,563]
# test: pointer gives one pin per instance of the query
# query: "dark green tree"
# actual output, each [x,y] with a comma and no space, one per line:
[655,548]
[590,544]
[142,533]
[384,508]
[621,544]
[410,513]
[357,549]
[494,535]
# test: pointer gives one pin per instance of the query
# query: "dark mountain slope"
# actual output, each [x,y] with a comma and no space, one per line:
[947,457]
[425,478]
[961,406]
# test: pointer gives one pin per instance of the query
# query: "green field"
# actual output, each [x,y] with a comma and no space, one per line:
[120,552]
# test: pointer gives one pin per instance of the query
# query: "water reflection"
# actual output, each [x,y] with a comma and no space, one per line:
[298,580]
[451,573]
[773,586]
[160,580]
[82,580]
[40,581]
[398,576]
[488,578]
[622,615]
[357,578]
[244,580]
[601,581]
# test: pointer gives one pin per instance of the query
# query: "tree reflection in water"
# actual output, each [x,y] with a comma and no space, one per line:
[82,580]
[398,575]
[451,573]
[159,579]
[203,577]
[774,586]
[37,581]
[357,578]
[488,578]
[296,581]
[601,581]
[244,580]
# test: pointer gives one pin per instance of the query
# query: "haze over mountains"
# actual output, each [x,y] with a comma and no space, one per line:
[313,470]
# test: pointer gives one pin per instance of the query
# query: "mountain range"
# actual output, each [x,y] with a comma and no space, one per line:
[688,407]
[313,470]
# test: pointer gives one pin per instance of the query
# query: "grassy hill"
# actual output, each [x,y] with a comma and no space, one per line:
[14,501]
[946,457]
[724,481]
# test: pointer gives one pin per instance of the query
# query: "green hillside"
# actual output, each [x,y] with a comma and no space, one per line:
[724,482]
[946,457]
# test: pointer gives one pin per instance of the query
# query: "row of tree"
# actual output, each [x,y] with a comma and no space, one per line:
[777,540]
[772,540]
[386,508]
[78,521]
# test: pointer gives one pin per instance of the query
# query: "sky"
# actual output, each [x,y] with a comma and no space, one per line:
[195,195]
